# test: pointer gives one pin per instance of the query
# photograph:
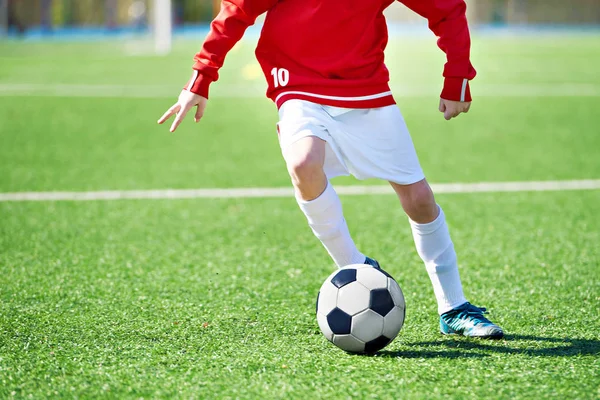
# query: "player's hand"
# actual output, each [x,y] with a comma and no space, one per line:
[187,100]
[452,109]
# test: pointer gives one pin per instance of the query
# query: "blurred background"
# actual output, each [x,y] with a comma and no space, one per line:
[55,17]
[535,55]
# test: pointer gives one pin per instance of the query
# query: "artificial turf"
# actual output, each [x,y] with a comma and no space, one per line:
[215,298]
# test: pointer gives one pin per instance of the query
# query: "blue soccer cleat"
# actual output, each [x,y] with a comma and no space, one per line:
[372,263]
[468,320]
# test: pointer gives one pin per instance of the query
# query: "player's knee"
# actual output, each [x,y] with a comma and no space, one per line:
[419,203]
[304,168]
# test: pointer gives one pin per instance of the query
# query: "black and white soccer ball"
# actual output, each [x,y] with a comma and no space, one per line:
[360,308]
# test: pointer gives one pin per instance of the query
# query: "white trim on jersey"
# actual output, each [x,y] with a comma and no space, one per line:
[322,96]
[463,91]
[194,77]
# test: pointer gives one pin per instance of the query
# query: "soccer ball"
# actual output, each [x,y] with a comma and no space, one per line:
[360,308]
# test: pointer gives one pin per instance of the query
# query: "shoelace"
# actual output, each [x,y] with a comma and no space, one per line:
[472,314]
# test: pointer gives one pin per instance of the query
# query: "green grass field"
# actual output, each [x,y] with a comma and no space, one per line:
[214,298]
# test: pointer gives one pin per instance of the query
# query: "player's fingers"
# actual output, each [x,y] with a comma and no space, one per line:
[174,108]
[180,116]
[449,113]
[467,108]
[199,114]
[442,106]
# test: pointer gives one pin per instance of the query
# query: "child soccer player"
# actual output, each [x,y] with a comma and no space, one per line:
[324,63]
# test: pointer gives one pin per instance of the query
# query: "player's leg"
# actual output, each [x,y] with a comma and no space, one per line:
[433,242]
[376,144]
[435,247]
[304,150]
[318,200]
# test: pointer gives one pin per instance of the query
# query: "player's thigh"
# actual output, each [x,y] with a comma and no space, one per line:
[377,144]
[386,130]
[302,134]
[307,152]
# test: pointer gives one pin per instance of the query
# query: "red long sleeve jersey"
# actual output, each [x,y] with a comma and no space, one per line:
[331,51]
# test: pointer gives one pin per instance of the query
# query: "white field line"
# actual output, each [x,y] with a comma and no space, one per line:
[249,90]
[482,187]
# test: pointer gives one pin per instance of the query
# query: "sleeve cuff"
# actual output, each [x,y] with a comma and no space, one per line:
[456,89]
[199,84]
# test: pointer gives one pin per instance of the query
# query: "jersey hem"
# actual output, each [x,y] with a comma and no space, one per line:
[354,96]
[373,101]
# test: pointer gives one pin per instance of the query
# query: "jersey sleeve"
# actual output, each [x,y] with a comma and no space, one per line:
[225,31]
[448,21]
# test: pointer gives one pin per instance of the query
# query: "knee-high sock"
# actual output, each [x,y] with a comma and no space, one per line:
[325,217]
[437,252]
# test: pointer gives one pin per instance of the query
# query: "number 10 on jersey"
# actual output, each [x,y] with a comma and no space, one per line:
[281,77]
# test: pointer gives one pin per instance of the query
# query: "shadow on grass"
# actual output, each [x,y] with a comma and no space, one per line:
[521,344]
[426,354]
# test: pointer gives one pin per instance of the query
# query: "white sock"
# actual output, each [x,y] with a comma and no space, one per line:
[437,252]
[325,217]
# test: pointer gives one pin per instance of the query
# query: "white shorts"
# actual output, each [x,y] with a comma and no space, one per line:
[365,143]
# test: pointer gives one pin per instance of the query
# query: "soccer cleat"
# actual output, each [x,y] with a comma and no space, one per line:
[468,320]
[372,262]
